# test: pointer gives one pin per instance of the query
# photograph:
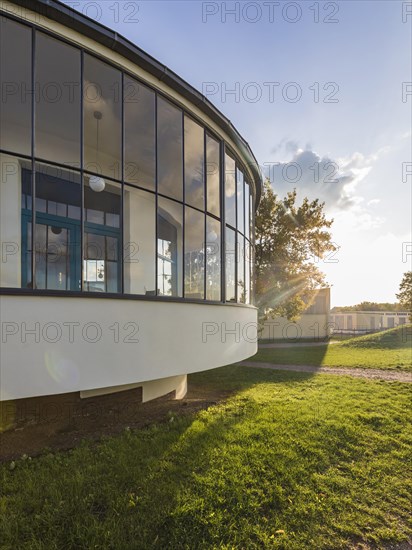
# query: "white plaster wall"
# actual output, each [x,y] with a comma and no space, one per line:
[79,344]
[308,326]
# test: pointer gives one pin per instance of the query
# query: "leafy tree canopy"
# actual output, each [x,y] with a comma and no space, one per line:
[290,241]
[405,293]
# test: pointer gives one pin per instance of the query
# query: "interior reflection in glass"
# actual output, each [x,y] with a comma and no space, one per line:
[169,248]
[102,237]
[57,231]
[194,254]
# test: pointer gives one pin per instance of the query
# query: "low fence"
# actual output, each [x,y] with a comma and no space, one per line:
[355,332]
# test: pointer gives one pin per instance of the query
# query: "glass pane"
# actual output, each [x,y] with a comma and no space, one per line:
[169,149]
[15,221]
[247,210]
[15,81]
[57,237]
[241,268]
[213,175]
[26,255]
[247,272]
[169,248]
[58,113]
[139,130]
[230,262]
[230,190]
[58,257]
[240,201]
[194,164]
[252,218]
[213,260]
[139,241]
[194,254]
[102,118]
[102,236]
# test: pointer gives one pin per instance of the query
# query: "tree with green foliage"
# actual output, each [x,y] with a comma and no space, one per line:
[368,306]
[405,293]
[290,241]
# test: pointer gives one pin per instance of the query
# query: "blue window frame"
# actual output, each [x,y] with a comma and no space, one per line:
[58,242]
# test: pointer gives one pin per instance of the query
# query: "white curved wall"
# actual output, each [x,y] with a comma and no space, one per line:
[53,345]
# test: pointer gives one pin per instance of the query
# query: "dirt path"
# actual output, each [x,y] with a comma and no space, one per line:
[297,344]
[373,374]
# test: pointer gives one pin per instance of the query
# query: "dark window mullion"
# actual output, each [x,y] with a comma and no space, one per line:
[205,214]
[244,238]
[157,290]
[82,204]
[46,258]
[122,160]
[236,238]
[222,190]
[183,276]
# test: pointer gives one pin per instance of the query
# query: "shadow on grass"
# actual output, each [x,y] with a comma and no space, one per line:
[132,488]
[299,355]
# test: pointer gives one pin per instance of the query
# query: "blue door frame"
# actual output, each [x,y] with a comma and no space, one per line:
[74,242]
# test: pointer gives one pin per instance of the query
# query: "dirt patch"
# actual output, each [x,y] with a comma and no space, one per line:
[62,422]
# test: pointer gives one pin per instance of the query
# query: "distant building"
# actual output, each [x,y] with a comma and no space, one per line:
[367,320]
[313,323]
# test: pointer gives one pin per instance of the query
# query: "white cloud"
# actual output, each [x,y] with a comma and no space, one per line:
[335,182]
[357,219]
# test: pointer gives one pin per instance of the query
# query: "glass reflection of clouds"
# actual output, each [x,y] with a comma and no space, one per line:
[230,190]
[103,134]
[213,175]
[194,253]
[140,146]
[213,261]
[194,164]
[169,149]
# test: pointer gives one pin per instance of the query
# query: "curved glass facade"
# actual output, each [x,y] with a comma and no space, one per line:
[108,186]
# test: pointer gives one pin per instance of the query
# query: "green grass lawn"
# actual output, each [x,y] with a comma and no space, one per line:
[390,349]
[290,461]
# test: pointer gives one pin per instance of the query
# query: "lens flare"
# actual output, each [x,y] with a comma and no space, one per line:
[62,370]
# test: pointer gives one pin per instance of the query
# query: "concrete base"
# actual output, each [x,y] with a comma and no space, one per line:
[157,388]
[150,390]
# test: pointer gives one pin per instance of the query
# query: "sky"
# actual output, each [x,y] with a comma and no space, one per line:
[322,92]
